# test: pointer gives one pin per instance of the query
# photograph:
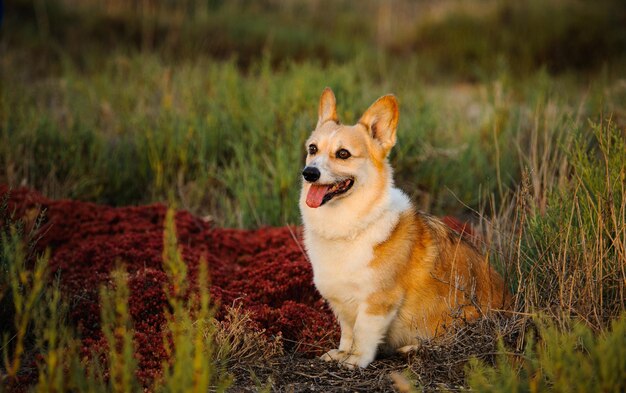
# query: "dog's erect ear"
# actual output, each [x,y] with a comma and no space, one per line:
[328,107]
[381,121]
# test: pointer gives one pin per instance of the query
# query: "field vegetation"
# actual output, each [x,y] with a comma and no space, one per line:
[512,117]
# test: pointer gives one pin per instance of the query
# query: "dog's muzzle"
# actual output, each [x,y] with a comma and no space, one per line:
[311,174]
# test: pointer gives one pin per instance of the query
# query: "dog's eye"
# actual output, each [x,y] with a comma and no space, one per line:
[312,149]
[343,154]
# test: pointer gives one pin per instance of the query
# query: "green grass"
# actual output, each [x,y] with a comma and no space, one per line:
[113,119]
[565,360]
[230,144]
[479,39]
[575,250]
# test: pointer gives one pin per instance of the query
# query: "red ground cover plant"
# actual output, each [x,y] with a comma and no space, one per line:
[265,271]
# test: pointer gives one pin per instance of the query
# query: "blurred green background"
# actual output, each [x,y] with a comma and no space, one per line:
[206,104]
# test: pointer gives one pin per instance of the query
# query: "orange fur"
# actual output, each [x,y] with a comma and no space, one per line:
[439,276]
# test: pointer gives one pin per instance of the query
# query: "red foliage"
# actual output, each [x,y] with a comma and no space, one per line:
[265,271]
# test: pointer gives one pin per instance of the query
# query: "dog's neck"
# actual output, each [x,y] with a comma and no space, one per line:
[339,223]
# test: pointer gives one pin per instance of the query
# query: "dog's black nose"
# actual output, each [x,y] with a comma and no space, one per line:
[311,173]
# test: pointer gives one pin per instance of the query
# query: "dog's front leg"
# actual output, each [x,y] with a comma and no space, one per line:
[345,343]
[369,331]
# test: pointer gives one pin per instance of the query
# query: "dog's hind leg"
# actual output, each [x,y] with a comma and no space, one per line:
[407,349]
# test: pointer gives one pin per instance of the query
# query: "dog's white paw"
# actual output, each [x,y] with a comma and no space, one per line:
[353,361]
[346,360]
[407,349]
[334,354]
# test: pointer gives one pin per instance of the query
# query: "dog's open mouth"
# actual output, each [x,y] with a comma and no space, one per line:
[319,194]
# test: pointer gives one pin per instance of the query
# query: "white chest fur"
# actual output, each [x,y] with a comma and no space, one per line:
[340,267]
[341,264]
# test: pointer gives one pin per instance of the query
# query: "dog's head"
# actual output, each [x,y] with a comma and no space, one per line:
[347,160]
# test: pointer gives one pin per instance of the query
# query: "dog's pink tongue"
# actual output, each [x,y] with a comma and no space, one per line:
[316,195]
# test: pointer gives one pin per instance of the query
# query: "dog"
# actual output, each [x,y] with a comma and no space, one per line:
[392,275]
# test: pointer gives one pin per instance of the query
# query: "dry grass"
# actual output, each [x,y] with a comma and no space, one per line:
[437,364]
[294,373]
[238,342]
[440,363]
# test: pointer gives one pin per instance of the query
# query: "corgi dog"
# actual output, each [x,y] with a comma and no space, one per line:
[392,275]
